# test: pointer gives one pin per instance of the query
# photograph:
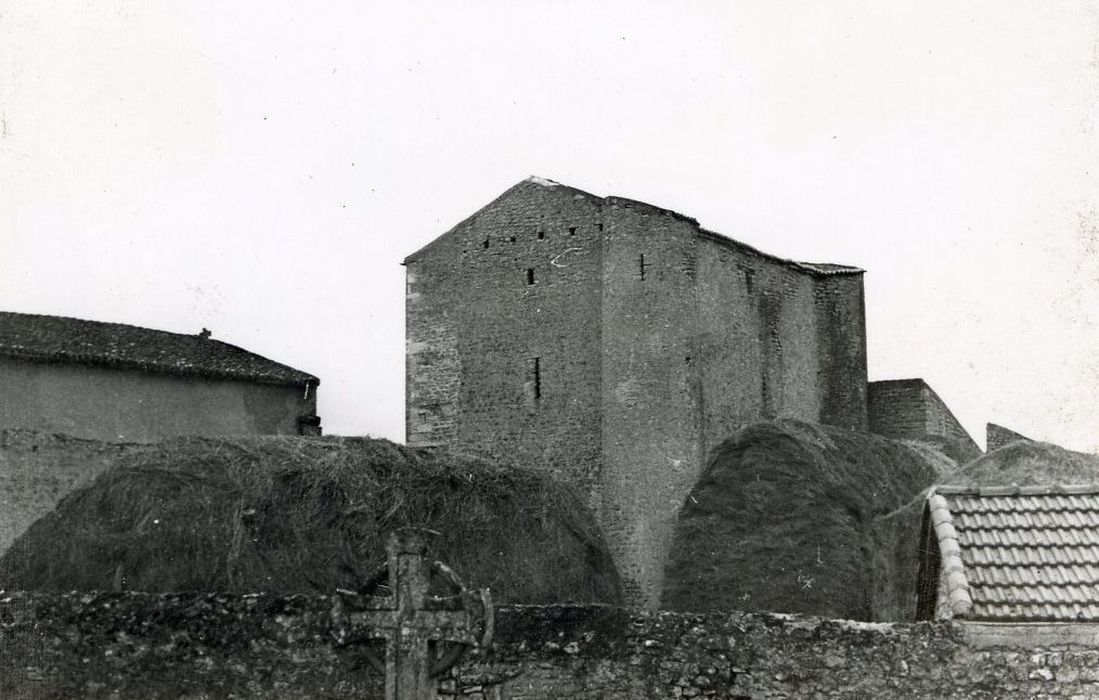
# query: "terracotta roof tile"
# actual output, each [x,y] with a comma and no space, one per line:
[71,340]
[1028,553]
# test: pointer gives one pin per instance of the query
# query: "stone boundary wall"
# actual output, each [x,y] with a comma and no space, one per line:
[133,645]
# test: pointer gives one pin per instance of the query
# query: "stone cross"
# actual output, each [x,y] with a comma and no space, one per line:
[410,620]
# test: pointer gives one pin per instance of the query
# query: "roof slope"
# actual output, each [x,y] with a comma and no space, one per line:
[817,269]
[1027,553]
[60,339]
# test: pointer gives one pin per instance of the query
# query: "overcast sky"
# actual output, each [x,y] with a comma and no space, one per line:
[261,168]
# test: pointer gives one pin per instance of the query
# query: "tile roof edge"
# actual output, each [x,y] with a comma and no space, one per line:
[1017,490]
[299,378]
[950,555]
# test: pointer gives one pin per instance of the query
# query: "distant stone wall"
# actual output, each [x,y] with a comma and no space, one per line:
[997,436]
[910,409]
[199,645]
[38,469]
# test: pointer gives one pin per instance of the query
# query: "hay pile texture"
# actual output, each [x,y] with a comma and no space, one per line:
[798,518]
[1029,463]
[293,515]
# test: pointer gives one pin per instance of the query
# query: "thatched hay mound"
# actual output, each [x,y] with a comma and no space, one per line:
[309,515]
[787,517]
[1029,464]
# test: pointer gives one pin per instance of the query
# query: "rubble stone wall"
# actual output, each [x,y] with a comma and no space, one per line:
[134,645]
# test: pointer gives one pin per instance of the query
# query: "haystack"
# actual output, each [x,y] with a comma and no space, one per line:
[298,515]
[792,517]
[1029,463]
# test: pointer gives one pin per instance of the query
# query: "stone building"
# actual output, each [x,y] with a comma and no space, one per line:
[617,343]
[115,382]
[909,409]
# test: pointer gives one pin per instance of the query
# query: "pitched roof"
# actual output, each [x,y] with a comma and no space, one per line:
[1019,553]
[71,340]
[818,269]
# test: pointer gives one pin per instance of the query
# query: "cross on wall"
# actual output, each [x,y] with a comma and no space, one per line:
[411,622]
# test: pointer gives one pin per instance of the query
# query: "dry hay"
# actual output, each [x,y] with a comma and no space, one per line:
[1029,463]
[309,515]
[792,517]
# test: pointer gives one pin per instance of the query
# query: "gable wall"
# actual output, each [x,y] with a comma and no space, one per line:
[475,326]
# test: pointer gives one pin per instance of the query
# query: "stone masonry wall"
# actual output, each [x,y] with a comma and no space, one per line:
[997,436]
[39,469]
[264,647]
[503,334]
[910,409]
[618,343]
[650,393]
[841,347]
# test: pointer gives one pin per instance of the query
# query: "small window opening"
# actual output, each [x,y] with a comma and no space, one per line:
[512,239]
[599,226]
[749,279]
[485,244]
[541,235]
[642,265]
[530,275]
[572,230]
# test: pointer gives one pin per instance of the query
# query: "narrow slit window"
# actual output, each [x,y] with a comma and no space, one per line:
[485,244]
[530,275]
[642,265]
[532,383]
[599,226]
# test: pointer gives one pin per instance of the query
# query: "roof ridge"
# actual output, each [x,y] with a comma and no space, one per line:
[47,338]
[950,555]
[1017,490]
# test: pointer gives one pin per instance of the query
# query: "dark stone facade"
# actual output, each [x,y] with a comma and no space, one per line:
[617,342]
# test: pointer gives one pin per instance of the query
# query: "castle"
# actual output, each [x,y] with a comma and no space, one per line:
[617,343]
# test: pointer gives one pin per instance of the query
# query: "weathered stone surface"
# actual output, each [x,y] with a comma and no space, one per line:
[617,343]
[212,646]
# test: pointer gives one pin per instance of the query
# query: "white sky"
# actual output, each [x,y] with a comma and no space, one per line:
[261,168]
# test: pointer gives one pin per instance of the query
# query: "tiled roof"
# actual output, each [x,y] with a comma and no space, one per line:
[1022,553]
[72,340]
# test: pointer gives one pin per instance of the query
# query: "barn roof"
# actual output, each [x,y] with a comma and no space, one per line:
[60,339]
[1015,553]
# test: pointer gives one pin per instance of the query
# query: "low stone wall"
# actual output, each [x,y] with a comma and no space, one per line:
[134,645]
